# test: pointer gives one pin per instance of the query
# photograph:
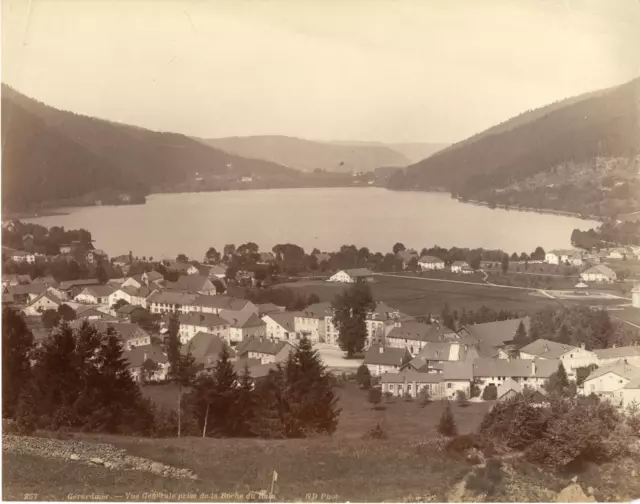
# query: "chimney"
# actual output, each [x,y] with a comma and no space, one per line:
[381,349]
[533,368]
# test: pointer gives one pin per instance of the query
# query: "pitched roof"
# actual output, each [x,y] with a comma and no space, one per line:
[67,284]
[430,259]
[411,376]
[441,351]
[88,310]
[99,290]
[192,283]
[358,272]
[501,367]
[128,309]
[619,368]
[460,263]
[49,295]
[388,356]
[220,302]
[547,349]
[507,386]
[136,356]
[256,370]
[173,298]
[241,319]
[152,276]
[618,352]
[284,319]
[179,267]
[261,345]
[600,269]
[202,320]
[316,310]
[266,308]
[124,329]
[416,331]
[204,345]
[496,334]
[544,368]
[634,383]
[22,289]
[457,370]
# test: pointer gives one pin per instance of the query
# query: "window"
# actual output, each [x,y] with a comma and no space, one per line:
[409,388]
[391,386]
[449,385]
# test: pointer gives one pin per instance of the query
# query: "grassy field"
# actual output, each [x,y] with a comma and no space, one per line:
[344,466]
[416,296]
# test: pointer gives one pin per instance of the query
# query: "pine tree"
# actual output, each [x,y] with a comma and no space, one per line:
[563,335]
[223,395]
[17,346]
[181,369]
[101,273]
[349,317]
[447,424]
[245,405]
[363,377]
[521,339]
[558,382]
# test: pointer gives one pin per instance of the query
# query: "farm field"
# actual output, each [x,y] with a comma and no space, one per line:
[418,296]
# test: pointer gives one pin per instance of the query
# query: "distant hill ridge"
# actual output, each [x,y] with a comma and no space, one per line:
[551,157]
[308,155]
[50,155]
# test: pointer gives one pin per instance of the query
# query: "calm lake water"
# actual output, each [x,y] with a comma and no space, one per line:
[169,224]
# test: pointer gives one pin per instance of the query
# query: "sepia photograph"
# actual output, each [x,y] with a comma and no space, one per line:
[320,251]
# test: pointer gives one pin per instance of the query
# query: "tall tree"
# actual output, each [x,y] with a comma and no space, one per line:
[398,247]
[229,250]
[212,256]
[521,338]
[182,258]
[505,263]
[101,273]
[558,382]
[17,345]
[363,377]
[350,310]
[447,424]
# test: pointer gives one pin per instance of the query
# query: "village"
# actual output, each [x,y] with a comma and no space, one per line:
[404,354]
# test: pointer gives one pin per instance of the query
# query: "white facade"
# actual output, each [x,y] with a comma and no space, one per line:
[89,298]
[189,330]
[275,330]
[629,396]
[39,306]
[312,326]
[431,265]
[342,277]
[577,357]
[119,295]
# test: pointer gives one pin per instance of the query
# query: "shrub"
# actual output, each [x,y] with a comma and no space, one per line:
[461,398]
[464,442]
[375,396]
[490,393]
[376,432]
[475,390]
[447,425]
[363,377]
[485,480]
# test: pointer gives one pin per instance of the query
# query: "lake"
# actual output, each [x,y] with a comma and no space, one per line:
[326,218]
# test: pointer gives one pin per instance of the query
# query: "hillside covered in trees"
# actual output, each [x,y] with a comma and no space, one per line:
[52,157]
[579,155]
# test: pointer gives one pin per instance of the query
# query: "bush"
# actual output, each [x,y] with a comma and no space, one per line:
[376,432]
[363,377]
[485,480]
[375,396]
[475,390]
[464,442]
[424,399]
[447,425]
[461,398]
[490,393]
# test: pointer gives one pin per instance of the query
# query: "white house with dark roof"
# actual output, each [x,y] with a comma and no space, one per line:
[491,337]
[352,276]
[572,357]
[170,302]
[457,375]
[414,336]
[45,301]
[196,283]
[628,354]
[243,325]
[598,273]
[311,321]
[573,257]
[193,323]
[95,294]
[205,348]
[265,350]
[412,383]
[280,326]
[461,267]
[131,335]
[381,360]
[136,358]
[609,381]
[430,263]
[533,373]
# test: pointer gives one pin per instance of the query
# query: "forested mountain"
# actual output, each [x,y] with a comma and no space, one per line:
[579,155]
[51,155]
[308,155]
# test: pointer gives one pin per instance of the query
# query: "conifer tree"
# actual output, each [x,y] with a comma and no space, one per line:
[363,377]
[521,339]
[447,425]
[223,394]
[17,346]
[349,318]
[245,405]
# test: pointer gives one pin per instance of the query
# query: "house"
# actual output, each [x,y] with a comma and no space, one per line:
[508,389]
[598,273]
[609,381]
[257,370]
[617,253]
[430,263]
[413,336]
[608,356]
[45,301]
[215,304]
[71,288]
[571,357]
[131,334]
[193,283]
[20,256]
[491,337]
[631,392]
[182,268]
[243,325]
[85,312]
[205,349]
[382,360]
[127,294]
[266,308]
[151,277]
[25,293]
[379,321]
[412,383]
[48,280]
[193,323]
[533,373]
[352,276]
[406,256]
[281,326]
[95,294]
[461,267]
[130,312]
[435,353]
[457,375]
[133,281]
[264,350]
[170,302]
[137,357]
[572,257]
[310,321]
[212,271]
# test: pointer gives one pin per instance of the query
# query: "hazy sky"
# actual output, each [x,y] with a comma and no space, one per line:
[394,70]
